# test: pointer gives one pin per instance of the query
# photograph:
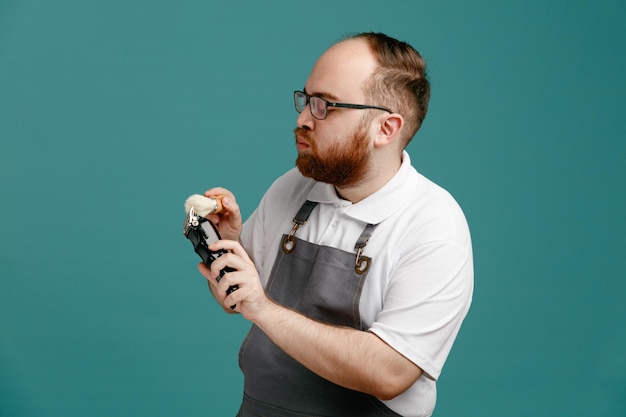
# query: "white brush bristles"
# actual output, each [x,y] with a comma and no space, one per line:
[201,205]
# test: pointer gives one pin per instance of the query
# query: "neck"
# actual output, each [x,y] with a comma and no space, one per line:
[379,175]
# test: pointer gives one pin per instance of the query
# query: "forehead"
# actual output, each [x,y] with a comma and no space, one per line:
[340,72]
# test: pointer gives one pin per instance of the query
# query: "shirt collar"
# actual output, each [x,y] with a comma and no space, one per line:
[378,206]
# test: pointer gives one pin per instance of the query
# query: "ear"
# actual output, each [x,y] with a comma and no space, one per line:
[389,129]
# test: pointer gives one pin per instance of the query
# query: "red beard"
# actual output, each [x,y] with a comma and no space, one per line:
[341,165]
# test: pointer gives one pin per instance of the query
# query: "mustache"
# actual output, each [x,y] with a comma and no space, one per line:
[302,132]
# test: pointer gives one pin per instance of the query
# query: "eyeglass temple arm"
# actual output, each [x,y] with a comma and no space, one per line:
[357,106]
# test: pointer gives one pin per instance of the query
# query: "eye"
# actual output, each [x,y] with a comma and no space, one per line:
[317,104]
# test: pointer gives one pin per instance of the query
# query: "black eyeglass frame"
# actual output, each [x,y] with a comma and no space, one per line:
[332,104]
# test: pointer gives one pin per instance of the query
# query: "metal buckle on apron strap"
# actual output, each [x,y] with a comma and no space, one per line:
[362,263]
[289,243]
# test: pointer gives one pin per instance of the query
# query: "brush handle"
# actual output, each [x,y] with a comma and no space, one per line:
[218,204]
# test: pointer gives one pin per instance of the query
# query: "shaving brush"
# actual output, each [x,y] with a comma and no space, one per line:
[203,206]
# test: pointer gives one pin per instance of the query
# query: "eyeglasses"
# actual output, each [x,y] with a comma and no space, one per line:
[319,106]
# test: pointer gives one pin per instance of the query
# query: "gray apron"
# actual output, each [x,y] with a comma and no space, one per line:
[322,283]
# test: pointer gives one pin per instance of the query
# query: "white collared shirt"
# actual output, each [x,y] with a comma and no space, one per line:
[419,287]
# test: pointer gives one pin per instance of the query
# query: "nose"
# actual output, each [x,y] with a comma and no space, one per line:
[305,119]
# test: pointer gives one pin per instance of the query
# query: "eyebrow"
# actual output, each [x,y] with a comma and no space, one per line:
[327,96]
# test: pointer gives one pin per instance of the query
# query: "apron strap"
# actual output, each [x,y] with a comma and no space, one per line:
[361,263]
[302,216]
[304,212]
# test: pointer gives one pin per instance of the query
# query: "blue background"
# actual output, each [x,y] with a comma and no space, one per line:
[113,112]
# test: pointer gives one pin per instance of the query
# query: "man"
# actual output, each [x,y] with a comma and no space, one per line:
[355,271]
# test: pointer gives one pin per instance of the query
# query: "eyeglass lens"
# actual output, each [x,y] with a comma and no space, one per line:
[317,105]
[300,100]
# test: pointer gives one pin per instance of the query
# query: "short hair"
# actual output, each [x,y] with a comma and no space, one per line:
[400,82]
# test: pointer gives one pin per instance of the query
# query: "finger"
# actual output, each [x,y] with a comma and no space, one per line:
[226,286]
[231,261]
[234,297]
[233,301]
[212,192]
[219,194]
[230,211]
[208,274]
[232,246]
[204,270]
